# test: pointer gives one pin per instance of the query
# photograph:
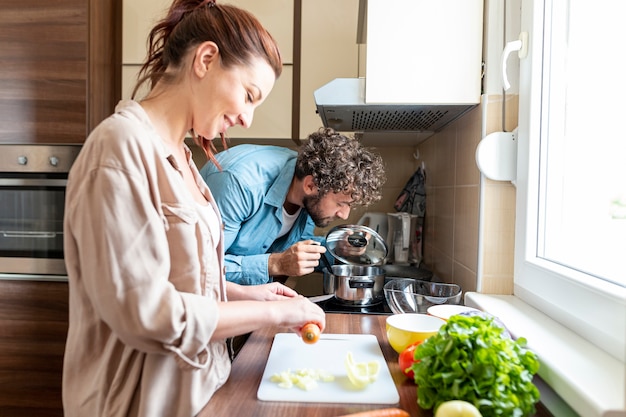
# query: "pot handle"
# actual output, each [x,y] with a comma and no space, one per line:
[361,283]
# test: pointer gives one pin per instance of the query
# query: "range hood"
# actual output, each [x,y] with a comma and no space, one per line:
[341,105]
[423,70]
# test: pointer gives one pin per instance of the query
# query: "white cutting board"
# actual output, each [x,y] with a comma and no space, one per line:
[289,352]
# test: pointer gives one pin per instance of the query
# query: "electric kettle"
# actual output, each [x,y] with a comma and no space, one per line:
[402,238]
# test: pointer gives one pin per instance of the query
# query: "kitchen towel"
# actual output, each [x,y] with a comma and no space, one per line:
[412,199]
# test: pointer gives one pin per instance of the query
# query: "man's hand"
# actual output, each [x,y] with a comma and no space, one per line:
[299,259]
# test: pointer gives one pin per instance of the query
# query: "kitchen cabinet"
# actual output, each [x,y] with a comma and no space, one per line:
[272,119]
[33,329]
[138,18]
[327,49]
[60,73]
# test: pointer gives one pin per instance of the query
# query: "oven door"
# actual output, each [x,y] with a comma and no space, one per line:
[31,226]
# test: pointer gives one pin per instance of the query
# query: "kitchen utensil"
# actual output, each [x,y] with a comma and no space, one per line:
[320,298]
[405,329]
[406,295]
[356,245]
[355,284]
[326,262]
[288,352]
[360,279]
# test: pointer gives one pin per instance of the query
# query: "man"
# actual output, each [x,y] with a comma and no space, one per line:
[271,198]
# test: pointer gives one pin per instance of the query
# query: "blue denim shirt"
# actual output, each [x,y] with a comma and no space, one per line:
[250,192]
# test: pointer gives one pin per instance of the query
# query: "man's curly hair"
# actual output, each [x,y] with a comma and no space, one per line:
[340,164]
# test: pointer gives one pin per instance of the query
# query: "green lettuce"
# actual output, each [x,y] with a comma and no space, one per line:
[473,359]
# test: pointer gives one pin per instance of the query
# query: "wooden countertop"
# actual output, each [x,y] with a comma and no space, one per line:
[238,396]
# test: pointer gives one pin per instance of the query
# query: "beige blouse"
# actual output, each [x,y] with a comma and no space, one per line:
[145,276]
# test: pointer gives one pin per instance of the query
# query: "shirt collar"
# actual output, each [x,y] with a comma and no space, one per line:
[278,191]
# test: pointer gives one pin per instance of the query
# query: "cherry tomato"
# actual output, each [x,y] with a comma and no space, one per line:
[310,333]
[406,359]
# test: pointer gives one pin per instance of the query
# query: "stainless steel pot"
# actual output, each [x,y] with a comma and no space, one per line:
[360,280]
[355,284]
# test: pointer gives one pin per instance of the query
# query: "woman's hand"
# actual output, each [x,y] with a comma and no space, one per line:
[273,291]
[299,312]
[257,306]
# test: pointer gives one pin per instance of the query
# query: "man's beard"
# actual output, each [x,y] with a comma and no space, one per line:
[312,206]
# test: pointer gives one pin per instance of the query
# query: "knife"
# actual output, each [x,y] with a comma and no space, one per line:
[318,298]
[333,337]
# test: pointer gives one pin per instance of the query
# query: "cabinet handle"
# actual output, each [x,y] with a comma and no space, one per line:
[30,235]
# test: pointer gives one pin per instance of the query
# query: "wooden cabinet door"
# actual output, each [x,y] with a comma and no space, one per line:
[272,119]
[329,51]
[33,329]
[57,68]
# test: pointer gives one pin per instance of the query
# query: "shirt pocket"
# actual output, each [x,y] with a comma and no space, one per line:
[181,229]
[176,213]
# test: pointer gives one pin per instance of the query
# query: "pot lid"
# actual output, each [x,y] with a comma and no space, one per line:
[356,245]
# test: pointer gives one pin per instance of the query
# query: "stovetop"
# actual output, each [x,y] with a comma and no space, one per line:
[332,305]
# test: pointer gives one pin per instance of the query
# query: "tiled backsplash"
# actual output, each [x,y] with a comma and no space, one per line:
[453,203]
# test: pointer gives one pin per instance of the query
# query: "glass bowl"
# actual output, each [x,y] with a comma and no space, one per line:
[408,295]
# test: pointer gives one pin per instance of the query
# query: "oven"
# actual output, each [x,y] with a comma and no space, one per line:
[33,179]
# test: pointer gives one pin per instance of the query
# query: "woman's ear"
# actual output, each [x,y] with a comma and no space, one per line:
[206,54]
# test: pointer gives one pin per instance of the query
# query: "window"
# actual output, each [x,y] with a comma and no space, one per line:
[570,256]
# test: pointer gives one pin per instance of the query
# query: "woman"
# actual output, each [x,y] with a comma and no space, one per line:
[143,243]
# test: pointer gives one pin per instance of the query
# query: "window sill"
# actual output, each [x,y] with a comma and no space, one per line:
[586,378]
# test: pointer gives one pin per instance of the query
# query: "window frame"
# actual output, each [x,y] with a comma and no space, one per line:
[594,309]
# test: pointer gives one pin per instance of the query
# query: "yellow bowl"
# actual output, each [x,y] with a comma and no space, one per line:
[405,329]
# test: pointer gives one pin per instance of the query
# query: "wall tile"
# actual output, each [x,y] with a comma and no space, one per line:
[442,266]
[443,217]
[431,209]
[399,165]
[468,137]
[466,226]
[464,277]
[443,171]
